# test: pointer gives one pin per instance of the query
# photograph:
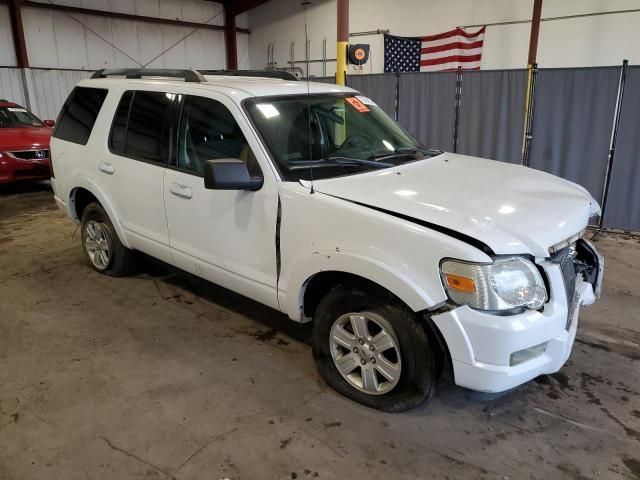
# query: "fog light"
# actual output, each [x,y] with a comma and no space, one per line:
[527,354]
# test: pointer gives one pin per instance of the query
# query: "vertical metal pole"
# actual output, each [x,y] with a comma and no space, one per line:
[230,39]
[342,41]
[324,57]
[612,144]
[19,43]
[456,121]
[535,31]
[20,47]
[529,113]
[397,101]
[307,55]
[531,72]
[292,56]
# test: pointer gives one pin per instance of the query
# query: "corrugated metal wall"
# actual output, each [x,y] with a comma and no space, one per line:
[11,85]
[48,89]
[54,40]
[62,52]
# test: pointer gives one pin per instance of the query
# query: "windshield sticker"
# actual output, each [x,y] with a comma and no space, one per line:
[357,104]
[14,109]
[366,100]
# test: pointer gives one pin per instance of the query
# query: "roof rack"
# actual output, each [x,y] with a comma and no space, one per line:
[187,75]
[252,73]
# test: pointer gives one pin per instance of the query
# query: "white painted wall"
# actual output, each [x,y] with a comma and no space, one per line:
[587,41]
[54,40]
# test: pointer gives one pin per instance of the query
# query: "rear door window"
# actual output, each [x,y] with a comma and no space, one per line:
[146,137]
[79,113]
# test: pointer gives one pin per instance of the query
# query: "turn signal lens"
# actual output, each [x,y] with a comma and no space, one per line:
[460,283]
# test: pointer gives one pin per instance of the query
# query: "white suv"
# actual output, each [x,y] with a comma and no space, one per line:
[308,198]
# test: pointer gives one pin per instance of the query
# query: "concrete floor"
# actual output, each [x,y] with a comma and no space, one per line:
[157,376]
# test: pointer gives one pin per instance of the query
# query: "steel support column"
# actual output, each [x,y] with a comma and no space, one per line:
[343,41]
[230,40]
[19,43]
[535,31]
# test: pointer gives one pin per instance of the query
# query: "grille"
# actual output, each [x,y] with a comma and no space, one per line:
[566,259]
[37,171]
[31,154]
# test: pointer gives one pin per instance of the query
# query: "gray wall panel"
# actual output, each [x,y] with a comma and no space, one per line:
[11,85]
[426,107]
[492,114]
[380,88]
[48,89]
[572,125]
[623,205]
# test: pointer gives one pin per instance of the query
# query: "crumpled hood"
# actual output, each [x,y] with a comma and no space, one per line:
[510,208]
[24,138]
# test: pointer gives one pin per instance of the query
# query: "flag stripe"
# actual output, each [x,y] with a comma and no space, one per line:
[449,46]
[451,33]
[448,41]
[451,58]
[450,67]
[449,53]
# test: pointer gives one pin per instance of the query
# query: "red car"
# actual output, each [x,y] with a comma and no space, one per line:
[24,144]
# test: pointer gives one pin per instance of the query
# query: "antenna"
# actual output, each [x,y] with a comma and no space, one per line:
[305,4]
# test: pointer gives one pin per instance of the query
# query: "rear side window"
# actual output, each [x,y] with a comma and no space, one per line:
[79,114]
[118,138]
[139,127]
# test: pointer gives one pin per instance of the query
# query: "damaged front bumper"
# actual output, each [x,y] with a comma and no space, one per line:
[492,353]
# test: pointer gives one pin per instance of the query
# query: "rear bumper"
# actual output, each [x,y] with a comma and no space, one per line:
[62,205]
[13,170]
[481,345]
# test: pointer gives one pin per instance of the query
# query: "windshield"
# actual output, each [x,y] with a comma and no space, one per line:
[334,135]
[11,117]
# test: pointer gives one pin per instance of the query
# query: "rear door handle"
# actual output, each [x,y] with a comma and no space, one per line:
[106,168]
[181,191]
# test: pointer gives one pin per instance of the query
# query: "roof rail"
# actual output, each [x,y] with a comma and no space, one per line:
[187,75]
[252,73]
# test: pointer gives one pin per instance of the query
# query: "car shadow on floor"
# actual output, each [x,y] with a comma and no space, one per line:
[267,317]
[19,188]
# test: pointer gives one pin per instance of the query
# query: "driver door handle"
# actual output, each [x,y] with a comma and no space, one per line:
[106,168]
[181,191]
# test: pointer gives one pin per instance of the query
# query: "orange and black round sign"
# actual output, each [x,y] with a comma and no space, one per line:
[360,54]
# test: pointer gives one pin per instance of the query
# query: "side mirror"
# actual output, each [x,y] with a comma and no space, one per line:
[49,123]
[229,174]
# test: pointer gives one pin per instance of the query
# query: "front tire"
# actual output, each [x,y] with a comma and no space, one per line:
[105,252]
[370,347]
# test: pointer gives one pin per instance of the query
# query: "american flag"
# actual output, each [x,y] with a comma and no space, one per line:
[444,51]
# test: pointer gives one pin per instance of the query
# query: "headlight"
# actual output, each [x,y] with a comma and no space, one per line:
[505,284]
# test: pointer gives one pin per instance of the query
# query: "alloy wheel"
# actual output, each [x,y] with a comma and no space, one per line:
[365,351]
[98,244]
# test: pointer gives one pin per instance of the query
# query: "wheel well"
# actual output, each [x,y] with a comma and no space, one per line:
[320,284]
[80,198]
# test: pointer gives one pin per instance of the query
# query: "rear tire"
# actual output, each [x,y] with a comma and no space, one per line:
[398,374]
[101,245]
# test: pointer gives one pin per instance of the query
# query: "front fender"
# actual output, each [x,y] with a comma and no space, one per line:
[338,260]
[81,181]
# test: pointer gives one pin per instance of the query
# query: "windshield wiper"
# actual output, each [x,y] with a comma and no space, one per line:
[340,161]
[357,161]
[404,151]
